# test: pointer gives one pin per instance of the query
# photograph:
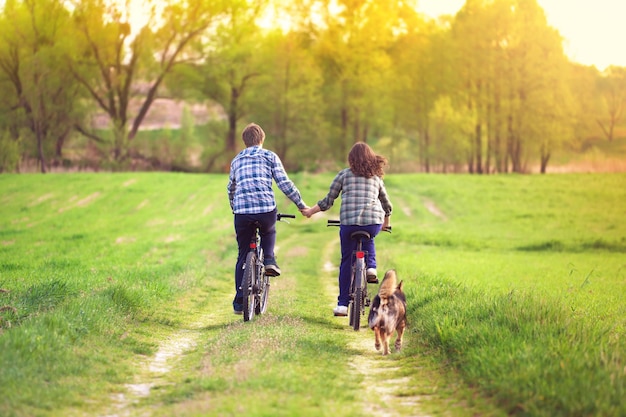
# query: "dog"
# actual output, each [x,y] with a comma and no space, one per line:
[388,313]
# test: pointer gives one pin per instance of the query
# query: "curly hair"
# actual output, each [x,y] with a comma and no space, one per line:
[364,162]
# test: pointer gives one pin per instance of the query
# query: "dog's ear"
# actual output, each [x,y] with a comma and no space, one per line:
[400,285]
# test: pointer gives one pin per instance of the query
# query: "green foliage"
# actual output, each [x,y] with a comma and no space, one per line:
[41,104]
[287,101]
[450,129]
[374,71]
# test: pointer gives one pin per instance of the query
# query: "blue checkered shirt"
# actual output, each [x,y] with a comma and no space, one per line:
[364,201]
[250,182]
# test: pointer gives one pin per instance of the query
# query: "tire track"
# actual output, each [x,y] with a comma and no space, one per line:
[154,370]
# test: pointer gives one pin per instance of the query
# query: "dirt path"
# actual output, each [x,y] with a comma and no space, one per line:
[153,371]
[381,379]
[433,209]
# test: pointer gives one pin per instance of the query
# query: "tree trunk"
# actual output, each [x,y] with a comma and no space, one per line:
[231,142]
[545,157]
[426,151]
[42,157]
[478,149]
[120,138]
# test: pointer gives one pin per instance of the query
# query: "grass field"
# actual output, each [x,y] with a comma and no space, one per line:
[516,289]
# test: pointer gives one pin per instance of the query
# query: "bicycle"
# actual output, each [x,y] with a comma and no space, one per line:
[358,281]
[255,284]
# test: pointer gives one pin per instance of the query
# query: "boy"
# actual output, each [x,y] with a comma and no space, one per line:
[252,200]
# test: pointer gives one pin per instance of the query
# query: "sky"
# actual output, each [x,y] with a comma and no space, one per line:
[594,30]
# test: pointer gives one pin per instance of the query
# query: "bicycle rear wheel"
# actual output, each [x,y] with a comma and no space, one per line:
[248,285]
[355,309]
[264,290]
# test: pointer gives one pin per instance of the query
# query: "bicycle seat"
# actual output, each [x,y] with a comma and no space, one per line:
[360,234]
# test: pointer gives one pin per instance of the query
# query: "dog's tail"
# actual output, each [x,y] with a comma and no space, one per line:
[389,285]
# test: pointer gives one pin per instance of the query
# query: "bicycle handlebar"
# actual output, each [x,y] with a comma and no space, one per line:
[286,216]
[332,222]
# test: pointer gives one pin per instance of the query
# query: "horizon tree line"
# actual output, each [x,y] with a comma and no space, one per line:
[488,90]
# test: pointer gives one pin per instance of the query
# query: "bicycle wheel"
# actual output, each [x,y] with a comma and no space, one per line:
[355,310]
[264,290]
[248,286]
[264,287]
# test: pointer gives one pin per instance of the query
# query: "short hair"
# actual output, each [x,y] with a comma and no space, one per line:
[253,135]
[364,162]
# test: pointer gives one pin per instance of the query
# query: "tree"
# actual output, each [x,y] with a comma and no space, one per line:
[120,63]
[42,94]
[450,129]
[352,45]
[512,66]
[586,104]
[422,63]
[287,101]
[612,89]
[230,66]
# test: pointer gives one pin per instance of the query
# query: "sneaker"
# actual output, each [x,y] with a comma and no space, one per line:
[372,276]
[271,269]
[340,311]
[238,305]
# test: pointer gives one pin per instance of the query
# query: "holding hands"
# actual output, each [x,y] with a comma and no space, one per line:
[309,211]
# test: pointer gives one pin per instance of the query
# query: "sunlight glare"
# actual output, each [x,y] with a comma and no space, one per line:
[273,20]
[593,30]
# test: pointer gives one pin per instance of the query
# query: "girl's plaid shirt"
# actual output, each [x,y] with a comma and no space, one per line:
[364,201]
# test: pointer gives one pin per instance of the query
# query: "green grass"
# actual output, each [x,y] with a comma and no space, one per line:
[516,288]
[522,288]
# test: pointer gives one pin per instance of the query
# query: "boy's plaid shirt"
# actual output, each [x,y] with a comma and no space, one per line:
[250,182]
[364,201]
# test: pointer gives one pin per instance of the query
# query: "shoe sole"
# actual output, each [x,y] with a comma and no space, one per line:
[270,272]
[340,315]
[237,312]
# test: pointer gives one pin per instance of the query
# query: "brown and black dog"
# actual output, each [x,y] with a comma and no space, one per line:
[388,312]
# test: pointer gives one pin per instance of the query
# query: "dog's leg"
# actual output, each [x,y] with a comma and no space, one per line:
[377,335]
[386,337]
[400,330]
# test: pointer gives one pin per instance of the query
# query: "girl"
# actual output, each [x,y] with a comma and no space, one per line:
[364,206]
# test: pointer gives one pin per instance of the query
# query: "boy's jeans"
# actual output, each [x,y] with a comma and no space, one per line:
[244,228]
